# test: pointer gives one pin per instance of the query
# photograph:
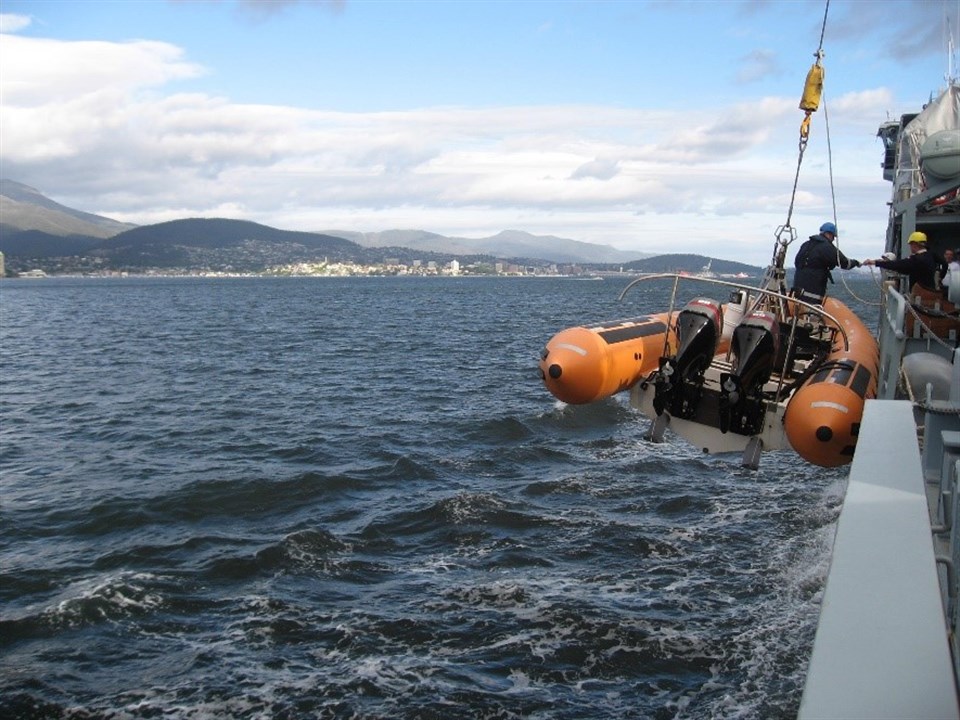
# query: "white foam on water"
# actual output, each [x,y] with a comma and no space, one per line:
[106,597]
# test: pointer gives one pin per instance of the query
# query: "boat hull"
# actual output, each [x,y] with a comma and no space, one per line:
[702,428]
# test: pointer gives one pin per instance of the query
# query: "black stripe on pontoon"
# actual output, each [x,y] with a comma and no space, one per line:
[839,375]
[861,379]
[633,332]
[617,323]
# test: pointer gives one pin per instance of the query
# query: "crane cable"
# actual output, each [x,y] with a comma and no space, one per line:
[809,102]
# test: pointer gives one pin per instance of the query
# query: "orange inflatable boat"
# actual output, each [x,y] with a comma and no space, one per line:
[784,384]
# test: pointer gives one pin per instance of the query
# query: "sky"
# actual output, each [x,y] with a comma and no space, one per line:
[649,126]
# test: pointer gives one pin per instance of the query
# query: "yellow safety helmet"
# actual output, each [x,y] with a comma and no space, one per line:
[917,237]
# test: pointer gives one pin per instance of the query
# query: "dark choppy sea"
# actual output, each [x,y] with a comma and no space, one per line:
[352,498]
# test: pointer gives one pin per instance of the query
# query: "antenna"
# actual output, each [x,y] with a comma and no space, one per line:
[951,75]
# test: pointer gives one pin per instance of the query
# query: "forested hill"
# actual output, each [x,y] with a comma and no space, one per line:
[685,262]
[224,233]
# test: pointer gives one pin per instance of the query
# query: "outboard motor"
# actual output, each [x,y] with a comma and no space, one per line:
[679,381]
[756,342]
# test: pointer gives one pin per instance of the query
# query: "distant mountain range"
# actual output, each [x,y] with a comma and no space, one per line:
[24,208]
[505,244]
[38,232]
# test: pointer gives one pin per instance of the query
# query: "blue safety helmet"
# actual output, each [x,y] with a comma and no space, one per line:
[829,227]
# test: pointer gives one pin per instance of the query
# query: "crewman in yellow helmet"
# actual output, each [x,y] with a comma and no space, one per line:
[921,265]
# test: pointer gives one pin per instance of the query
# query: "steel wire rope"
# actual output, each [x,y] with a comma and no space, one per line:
[833,193]
[804,137]
[833,201]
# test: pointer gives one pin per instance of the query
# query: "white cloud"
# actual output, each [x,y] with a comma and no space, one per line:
[265,8]
[10,23]
[40,72]
[600,169]
[93,125]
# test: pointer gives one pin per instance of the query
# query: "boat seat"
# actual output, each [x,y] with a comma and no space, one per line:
[936,312]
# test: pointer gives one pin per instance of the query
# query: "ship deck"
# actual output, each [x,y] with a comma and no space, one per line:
[881,649]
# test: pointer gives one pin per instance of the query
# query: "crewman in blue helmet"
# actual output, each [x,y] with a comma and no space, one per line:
[815,259]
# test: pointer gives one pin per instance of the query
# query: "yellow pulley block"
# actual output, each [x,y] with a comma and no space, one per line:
[812,89]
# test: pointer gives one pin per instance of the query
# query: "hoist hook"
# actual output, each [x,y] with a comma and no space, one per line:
[809,103]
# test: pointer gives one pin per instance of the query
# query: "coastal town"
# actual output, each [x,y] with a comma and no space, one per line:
[390,268]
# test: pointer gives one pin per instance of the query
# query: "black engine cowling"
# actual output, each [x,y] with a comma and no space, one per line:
[679,382]
[755,345]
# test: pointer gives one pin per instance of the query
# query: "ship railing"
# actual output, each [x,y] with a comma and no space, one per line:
[938,426]
[940,460]
[893,340]
[896,341]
